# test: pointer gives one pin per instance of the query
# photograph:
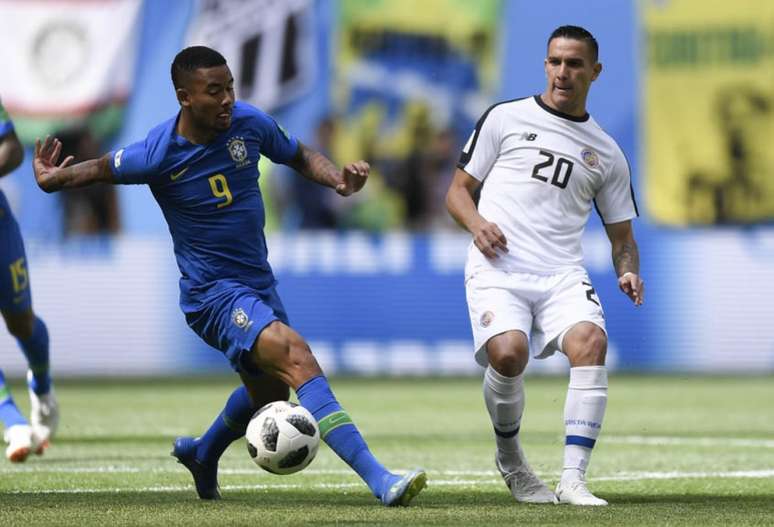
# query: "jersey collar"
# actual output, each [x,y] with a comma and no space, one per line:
[581,119]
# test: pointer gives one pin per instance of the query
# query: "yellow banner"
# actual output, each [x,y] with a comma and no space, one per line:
[709,111]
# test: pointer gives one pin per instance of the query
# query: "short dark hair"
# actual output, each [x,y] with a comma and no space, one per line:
[192,58]
[577,33]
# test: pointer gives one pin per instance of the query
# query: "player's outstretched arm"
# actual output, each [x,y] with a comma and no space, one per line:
[52,175]
[626,260]
[459,202]
[11,153]
[315,166]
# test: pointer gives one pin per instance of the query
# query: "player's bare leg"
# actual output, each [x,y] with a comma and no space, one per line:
[585,344]
[508,355]
[282,352]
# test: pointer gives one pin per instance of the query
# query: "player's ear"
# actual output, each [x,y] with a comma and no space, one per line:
[596,70]
[183,97]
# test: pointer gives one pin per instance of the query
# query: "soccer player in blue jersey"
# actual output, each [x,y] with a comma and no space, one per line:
[30,332]
[202,168]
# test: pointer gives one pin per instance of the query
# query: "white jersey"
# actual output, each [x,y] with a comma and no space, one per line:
[541,171]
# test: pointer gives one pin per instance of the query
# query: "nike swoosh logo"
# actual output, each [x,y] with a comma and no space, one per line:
[176,175]
[336,419]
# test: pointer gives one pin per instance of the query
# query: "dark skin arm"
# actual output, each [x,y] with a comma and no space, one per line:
[626,260]
[11,153]
[459,202]
[318,168]
[52,177]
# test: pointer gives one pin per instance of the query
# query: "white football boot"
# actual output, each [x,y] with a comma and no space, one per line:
[44,416]
[576,492]
[19,439]
[524,484]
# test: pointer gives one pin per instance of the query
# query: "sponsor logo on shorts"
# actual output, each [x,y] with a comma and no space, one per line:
[240,319]
[486,319]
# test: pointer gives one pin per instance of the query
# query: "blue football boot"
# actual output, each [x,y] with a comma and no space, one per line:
[402,491]
[205,477]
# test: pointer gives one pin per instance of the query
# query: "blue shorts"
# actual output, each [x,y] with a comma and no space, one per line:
[14,278]
[230,316]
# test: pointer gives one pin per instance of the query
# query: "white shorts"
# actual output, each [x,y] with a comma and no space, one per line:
[540,306]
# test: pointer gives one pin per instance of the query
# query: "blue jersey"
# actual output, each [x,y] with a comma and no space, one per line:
[210,198]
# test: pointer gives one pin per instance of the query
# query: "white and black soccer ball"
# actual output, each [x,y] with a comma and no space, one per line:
[282,437]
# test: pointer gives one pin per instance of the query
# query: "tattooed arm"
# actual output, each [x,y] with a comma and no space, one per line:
[626,260]
[315,166]
[52,175]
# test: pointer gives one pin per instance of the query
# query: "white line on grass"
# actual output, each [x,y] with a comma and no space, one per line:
[688,441]
[622,476]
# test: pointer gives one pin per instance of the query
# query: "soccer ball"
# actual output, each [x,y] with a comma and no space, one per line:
[282,437]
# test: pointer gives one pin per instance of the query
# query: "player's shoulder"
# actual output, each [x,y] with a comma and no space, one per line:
[249,120]
[162,133]
[246,112]
[153,149]
[506,106]
[603,137]
[159,140]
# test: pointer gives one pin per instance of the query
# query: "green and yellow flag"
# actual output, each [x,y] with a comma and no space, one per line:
[709,111]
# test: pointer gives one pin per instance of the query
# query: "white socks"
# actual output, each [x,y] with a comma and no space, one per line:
[504,397]
[584,411]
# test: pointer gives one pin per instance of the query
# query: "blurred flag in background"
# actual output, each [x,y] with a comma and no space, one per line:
[67,63]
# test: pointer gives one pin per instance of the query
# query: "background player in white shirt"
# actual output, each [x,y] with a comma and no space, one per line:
[539,163]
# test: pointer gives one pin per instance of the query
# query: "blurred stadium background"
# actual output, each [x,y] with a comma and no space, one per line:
[375,282]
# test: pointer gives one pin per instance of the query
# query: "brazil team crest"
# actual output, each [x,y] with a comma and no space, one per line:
[238,151]
[240,319]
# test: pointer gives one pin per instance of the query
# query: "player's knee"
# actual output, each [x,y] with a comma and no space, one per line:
[508,354]
[283,350]
[264,389]
[587,347]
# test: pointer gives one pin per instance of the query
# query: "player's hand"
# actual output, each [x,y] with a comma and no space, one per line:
[631,284]
[353,176]
[44,162]
[489,239]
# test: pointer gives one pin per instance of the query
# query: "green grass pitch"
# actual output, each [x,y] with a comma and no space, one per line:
[674,451]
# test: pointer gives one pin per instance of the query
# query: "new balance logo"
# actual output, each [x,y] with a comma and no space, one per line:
[527,136]
[177,175]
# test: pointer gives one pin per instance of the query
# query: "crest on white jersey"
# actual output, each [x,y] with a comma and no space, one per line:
[238,151]
[590,158]
[486,319]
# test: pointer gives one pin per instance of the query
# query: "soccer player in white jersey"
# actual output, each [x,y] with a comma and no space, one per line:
[538,164]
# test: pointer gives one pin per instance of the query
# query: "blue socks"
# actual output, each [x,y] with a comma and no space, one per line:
[9,413]
[36,350]
[336,429]
[340,433]
[229,426]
